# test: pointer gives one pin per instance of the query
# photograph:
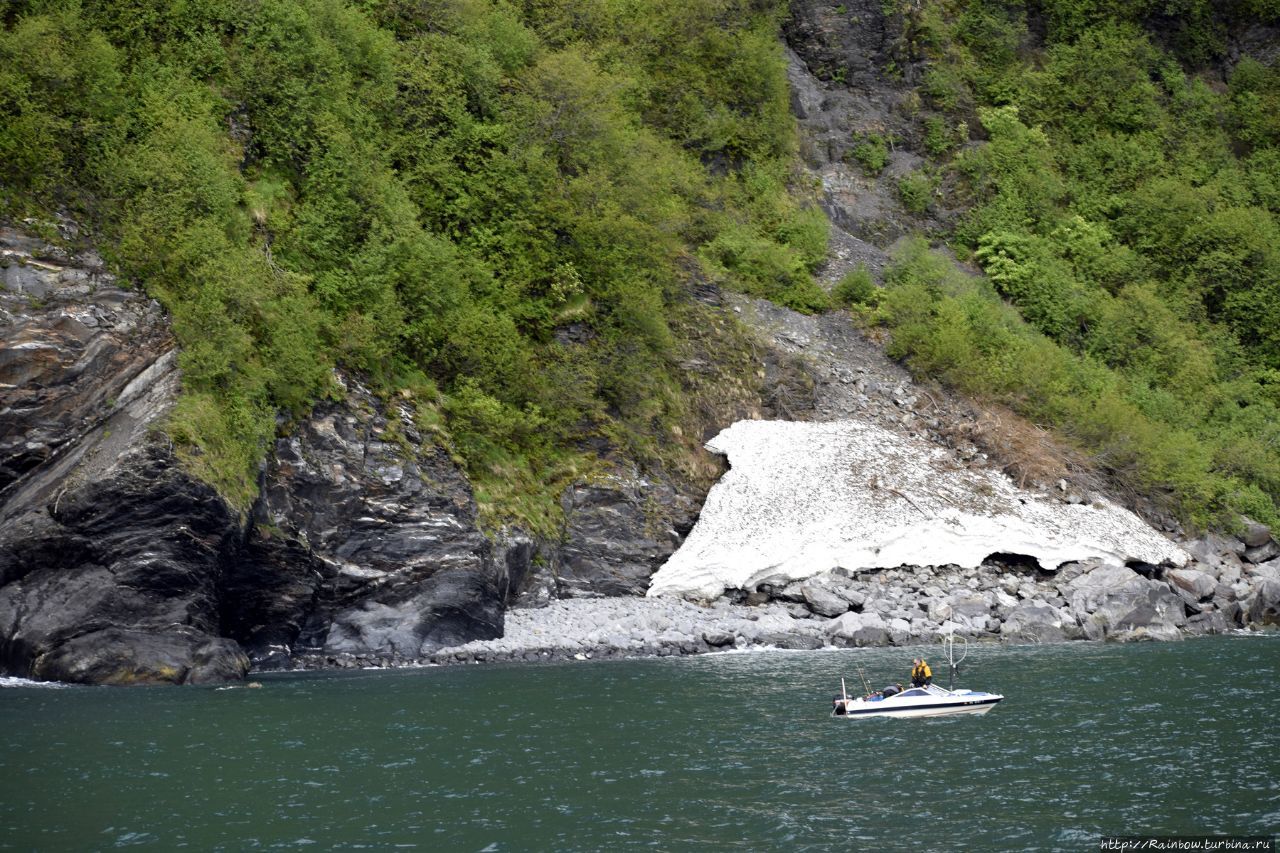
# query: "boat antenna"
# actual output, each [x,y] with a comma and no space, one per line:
[949,650]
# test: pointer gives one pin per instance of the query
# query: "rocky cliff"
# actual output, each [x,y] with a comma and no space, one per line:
[117,566]
[109,554]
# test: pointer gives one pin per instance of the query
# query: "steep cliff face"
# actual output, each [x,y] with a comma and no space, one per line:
[364,543]
[109,553]
[116,566]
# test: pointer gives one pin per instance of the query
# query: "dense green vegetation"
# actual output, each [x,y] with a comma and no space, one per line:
[430,192]
[424,192]
[1127,202]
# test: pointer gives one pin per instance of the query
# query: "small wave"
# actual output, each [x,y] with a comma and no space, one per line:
[13,681]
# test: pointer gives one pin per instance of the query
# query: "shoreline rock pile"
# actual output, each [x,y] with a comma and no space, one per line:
[1005,599]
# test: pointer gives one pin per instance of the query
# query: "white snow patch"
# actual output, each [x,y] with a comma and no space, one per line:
[803,498]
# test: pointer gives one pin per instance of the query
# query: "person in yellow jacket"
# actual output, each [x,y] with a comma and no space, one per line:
[921,675]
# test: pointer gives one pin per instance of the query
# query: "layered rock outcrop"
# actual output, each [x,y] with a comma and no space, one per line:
[364,543]
[117,566]
[109,553]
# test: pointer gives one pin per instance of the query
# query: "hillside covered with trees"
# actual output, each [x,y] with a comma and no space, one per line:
[1123,204]
[495,210]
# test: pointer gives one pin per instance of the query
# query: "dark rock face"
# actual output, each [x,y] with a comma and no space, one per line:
[74,349]
[851,42]
[365,543]
[129,656]
[1263,607]
[138,549]
[109,553]
[266,596]
[617,534]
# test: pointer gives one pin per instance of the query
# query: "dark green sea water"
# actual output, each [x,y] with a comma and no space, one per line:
[714,753]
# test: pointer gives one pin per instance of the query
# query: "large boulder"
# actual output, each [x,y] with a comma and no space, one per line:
[123,656]
[1195,584]
[1112,601]
[859,629]
[1255,535]
[822,599]
[1208,622]
[1266,551]
[972,605]
[1263,607]
[1032,623]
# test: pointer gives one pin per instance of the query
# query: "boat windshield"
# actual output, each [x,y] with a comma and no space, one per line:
[914,691]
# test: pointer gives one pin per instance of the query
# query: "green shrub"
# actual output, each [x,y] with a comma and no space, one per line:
[916,192]
[417,190]
[855,287]
[938,138]
[872,153]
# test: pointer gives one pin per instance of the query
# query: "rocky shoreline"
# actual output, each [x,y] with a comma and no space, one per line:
[1003,600]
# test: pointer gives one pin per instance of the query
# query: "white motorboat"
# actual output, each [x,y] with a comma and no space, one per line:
[928,701]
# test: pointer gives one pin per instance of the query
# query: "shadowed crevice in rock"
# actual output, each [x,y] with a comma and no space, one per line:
[364,542]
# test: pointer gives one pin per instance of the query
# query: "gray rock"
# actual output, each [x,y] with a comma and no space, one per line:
[1210,622]
[717,638]
[1269,569]
[1068,572]
[788,640]
[972,605]
[1266,551]
[822,600]
[1263,606]
[1210,549]
[799,611]
[1111,600]
[1230,569]
[1004,602]
[1255,535]
[1030,623]
[940,610]
[1153,633]
[859,629]
[1198,584]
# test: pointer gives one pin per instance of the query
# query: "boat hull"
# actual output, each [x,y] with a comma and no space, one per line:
[941,710]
